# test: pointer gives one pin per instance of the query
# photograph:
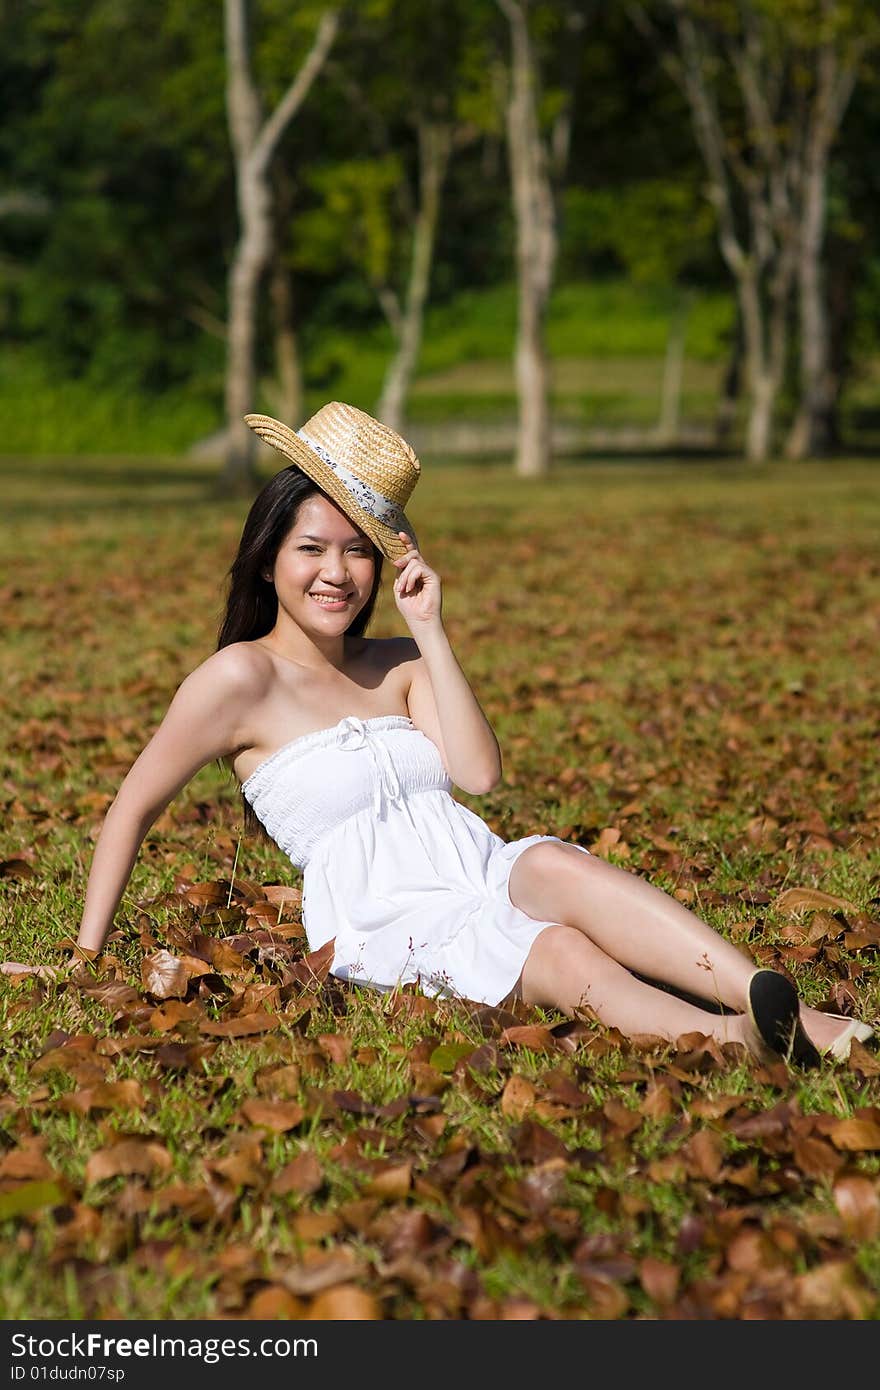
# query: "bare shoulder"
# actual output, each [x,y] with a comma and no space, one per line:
[243,670]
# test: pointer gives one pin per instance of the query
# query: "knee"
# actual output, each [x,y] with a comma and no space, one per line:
[548,865]
[548,860]
[556,969]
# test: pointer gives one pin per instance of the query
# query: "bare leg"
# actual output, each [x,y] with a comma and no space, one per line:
[642,928]
[635,923]
[564,970]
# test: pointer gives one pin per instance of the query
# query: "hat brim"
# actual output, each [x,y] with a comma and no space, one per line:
[288,443]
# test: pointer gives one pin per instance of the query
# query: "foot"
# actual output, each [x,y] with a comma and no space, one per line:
[773,1008]
[833,1034]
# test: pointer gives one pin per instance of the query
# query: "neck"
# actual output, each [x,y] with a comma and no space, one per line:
[306,649]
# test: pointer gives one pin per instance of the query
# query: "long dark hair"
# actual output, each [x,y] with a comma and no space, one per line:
[252,604]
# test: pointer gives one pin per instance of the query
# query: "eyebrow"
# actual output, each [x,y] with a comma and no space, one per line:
[322,540]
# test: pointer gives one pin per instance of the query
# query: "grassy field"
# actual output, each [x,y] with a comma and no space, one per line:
[681,664]
[607,340]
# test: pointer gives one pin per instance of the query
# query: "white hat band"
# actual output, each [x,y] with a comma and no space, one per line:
[372,501]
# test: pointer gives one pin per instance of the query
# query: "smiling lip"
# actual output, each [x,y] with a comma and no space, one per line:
[330,601]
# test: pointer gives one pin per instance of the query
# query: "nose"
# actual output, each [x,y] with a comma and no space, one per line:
[335,567]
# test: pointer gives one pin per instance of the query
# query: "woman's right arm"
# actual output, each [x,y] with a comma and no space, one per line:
[208,718]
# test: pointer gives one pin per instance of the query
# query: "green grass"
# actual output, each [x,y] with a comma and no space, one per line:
[468,345]
[683,652]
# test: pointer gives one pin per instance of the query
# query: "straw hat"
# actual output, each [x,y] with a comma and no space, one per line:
[365,467]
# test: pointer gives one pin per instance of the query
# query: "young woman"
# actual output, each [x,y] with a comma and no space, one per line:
[347,748]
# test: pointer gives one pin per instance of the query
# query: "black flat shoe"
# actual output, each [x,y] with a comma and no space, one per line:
[774,1009]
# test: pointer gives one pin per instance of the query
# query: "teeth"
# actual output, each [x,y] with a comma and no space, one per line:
[328,598]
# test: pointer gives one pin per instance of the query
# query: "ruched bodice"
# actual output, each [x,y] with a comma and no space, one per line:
[411,884]
[315,783]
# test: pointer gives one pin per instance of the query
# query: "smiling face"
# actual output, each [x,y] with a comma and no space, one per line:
[324,569]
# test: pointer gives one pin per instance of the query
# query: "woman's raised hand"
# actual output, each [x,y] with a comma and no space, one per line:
[417,590]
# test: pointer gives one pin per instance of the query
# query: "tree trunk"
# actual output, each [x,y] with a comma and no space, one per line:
[731,387]
[435,142]
[245,274]
[762,402]
[673,367]
[536,245]
[814,428]
[253,146]
[762,396]
[288,403]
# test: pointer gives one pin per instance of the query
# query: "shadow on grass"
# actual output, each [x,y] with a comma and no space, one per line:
[64,486]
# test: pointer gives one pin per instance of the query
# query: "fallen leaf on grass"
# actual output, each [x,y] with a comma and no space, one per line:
[336,1047]
[518,1097]
[274,1302]
[320,1269]
[243,1026]
[127,1158]
[532,1035]
[832,1290]
[659,1279]
[278,1116]
[107,1095]
[809,899]
[855,1135]
[17,867]
[164,976]
[391,1182]
[345,1301]
[175,1056]
[303,1174]
[858,1202]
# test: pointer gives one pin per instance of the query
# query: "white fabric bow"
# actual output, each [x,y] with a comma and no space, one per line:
[355,734]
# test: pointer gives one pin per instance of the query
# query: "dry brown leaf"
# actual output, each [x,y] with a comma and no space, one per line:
[274,1302]
[281,894]
[659,1279]
[336,1047]
[809,899]
[129,1157]
[345,1302]
[816,1158]
[243,1167]
[164,976]
[391,1183]
[831,1290]
[855,1136]
[282,1081]
[321,1269]
[242,1026]
[704,1155]
[27,1163]
[518,1097]
[278,1116]
[107,1095]
[858,1202]
[303,1174]
[532,1035]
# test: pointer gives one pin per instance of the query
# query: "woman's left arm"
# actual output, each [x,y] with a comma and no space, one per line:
[439,694]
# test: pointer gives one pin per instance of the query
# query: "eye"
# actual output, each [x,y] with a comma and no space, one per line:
[312,548]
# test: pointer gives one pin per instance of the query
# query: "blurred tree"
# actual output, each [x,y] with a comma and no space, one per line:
[254,142]
[534,160]
[833,39]
[767,82]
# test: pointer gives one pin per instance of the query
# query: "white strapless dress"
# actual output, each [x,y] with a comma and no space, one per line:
[411,884]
